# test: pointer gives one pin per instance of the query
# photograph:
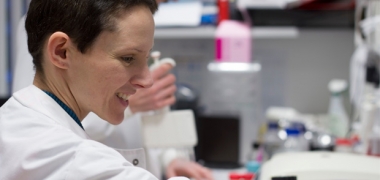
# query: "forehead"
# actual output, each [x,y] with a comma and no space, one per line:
[134,28]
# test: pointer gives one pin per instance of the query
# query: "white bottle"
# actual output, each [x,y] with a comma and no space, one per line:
[338,119]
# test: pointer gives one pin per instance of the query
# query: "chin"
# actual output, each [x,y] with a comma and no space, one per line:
[115,120]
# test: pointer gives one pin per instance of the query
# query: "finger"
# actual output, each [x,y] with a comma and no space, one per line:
[205,173]
[141,108]
[192,173]
[141,103]
[165,102]
[164,82]
[197,173]
[165,93]
[161,71]
[169,101]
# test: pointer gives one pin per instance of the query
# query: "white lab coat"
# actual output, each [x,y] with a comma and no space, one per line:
[39,140]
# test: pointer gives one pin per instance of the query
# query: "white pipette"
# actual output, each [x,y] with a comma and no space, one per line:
[157,63]
[164,128]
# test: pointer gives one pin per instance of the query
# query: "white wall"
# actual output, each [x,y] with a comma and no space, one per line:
[3,50]
[15,13]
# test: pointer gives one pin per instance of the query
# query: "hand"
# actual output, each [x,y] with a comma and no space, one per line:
[187,168]
[161,94]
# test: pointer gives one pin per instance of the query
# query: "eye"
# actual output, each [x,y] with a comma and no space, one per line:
[127,59]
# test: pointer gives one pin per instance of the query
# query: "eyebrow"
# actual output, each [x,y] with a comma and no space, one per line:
[141,50]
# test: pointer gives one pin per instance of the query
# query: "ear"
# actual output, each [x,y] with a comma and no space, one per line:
[57,47]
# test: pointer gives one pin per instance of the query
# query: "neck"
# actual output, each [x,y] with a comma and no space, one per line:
[59,87]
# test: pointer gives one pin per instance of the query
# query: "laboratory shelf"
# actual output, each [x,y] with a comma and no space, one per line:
[208,32]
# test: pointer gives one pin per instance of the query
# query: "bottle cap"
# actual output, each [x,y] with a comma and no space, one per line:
[299,125]
[245,176]
[253,166]
[248,176]
[272,125]
[343,142]
[255,145]
[337,85]
[292,132]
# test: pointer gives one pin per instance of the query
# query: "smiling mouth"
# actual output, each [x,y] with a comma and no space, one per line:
[122,96]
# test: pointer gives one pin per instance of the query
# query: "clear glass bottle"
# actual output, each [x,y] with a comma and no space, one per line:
[338,118]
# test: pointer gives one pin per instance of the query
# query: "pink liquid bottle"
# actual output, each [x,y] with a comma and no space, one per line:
[233,42]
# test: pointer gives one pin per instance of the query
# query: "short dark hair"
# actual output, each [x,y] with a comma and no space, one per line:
[81,20]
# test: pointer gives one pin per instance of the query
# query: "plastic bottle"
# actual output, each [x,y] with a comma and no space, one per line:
[293,141]
[302,129]
[254,153]
[272,141]
[233,42]
[209,14]
[374,138]
[224,12]
[338,119]
[255,158]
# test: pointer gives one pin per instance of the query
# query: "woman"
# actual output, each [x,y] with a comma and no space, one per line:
[126,135]
[90,56]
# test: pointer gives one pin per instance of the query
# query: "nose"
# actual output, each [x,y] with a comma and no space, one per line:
[143,79]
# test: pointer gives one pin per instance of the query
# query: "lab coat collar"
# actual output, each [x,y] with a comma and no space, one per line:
[34,98]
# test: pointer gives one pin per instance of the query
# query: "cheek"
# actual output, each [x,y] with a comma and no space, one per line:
[98,79]
[113,77]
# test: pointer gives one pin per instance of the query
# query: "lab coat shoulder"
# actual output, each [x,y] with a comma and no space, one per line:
[38,144]
[32,147]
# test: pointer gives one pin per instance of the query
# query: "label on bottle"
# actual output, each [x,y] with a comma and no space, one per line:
[336,125]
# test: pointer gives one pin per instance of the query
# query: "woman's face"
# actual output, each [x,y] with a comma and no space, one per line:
[102,79]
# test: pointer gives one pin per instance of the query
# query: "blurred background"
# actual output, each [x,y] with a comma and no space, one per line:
[261,72]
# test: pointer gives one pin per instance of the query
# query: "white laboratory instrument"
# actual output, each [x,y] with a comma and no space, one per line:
[321,166]
[167,129]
